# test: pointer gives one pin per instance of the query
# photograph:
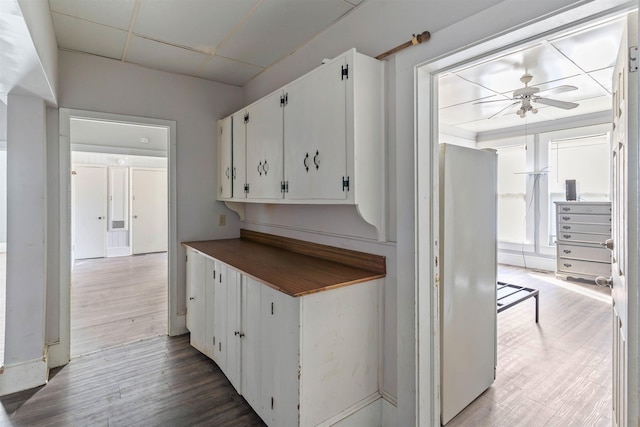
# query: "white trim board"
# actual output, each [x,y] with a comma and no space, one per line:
[23,376]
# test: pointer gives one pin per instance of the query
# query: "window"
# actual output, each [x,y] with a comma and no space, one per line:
[585,159]
[512,194]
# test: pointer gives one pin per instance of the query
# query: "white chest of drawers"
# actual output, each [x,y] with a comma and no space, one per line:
[581,228]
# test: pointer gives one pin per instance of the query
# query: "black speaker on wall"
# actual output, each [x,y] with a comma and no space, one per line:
[570,186]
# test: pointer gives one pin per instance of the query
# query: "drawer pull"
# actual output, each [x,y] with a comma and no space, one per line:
[566,264]
[566,236]
[566,209]
[566,218]
[566,251]
[566,227]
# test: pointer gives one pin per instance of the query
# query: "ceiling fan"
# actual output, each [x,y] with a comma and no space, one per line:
[529,94]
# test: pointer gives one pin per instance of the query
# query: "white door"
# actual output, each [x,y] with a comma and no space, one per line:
[251,341]
[264,148]
[239,155]
[220,316]
[225,165]
[89,211]
[149,207]
[234,326]
[196,264]
[210,307]
[315,132]
[468,259]
[625,233]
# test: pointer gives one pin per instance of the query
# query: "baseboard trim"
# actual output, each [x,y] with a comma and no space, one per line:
[23,376]
[342,417]
[119,251]
[528,261]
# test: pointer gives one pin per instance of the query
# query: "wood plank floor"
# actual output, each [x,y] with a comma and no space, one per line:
[117,300]
[160,381]
[556,373]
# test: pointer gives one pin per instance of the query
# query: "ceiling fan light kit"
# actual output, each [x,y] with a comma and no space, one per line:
[527,94]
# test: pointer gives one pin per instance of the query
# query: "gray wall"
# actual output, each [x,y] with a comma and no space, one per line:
[104,85]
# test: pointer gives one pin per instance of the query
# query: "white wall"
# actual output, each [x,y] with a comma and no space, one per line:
[463,27]
[27,235]
[98,84]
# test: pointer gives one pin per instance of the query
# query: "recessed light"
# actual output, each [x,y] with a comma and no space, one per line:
[144,140]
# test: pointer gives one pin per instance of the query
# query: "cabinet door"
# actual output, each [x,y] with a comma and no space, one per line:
[238,171]
[251,342]
[196,298]
[280,346]
[209,307]
[220,318]
[315,134]
[264,148]
[234,326]
[225,165]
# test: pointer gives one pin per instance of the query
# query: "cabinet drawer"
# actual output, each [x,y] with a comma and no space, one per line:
[584,218]
[584,209]
[587,253]
[581,237]
[584,267]
[584,228]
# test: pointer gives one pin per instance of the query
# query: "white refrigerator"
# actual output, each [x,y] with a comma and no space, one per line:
[468,251]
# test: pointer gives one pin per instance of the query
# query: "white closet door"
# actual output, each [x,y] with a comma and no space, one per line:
[90,211]
[149,207]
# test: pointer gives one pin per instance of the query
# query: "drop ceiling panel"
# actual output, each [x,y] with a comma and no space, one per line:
[163,57]
[85,36]
[229,71]
[278,27]
[593,49]
[114,13]
[604,77]
[502,75]
[454,90]
[199,24]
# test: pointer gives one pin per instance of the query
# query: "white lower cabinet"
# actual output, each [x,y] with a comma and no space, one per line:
[298,361]
[196,311]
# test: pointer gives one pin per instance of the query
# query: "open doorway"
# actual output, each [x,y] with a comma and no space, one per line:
[539,248]
[119,240]
[120,148]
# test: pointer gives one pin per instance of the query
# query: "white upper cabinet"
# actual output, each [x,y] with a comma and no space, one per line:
[315,134]
[264,148]
[225,164]
[239,169]
[319,139]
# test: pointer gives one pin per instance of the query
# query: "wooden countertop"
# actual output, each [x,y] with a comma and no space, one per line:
[288,271]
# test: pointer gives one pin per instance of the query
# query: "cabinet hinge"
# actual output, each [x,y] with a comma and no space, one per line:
[246,118]
[214,274]
[220,130]
[272,309]
[345,72]
[633,59]
[246,188]
[345,183]
[214,341]
[272,402]
[284,99]
[284,186]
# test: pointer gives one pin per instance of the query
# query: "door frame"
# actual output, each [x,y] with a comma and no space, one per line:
[60,353]
[427,181]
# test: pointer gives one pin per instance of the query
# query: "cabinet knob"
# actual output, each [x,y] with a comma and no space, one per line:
[566,251]
[566,264]
[566,218]
[566,236]
[305,162]
[192,298]
[260,168]
[265,167]
[227,172]
[316,160]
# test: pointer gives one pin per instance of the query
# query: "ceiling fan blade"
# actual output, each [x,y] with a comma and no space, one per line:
[504,111]
[493,100]
[557,89]
[555,103]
